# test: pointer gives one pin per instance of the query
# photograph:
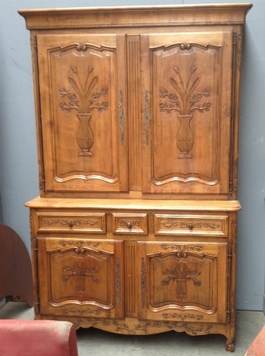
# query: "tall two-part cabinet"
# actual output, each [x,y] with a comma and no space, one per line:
[137,113]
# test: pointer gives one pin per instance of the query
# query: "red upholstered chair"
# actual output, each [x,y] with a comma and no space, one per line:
[37,338]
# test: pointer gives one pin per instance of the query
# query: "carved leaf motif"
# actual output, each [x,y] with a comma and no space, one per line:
[184,102]
[79,271]
[183,317]
[83,100]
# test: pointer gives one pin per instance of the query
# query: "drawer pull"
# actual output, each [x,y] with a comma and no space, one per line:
[190,225]
[129,225]
[70,223]
[181,254]
[79,250]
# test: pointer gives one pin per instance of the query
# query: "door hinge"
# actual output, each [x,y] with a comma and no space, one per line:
[229,266]
[42,184]
[34,244]
[34,42]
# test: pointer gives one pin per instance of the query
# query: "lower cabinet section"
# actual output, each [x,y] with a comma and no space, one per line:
[81,277]
[183,281]
[121,271]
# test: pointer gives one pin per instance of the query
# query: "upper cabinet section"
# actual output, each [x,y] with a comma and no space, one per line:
[81,92]
[188,81]
[138,102]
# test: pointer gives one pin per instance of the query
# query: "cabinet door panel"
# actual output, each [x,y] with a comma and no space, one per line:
[187,80]
[80,277]
[183,281]
[82,90]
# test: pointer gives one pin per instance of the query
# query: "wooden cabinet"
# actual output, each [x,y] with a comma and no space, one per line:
[137,112]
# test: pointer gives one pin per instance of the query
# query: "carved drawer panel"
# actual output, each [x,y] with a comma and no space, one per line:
[176,224]
[91,222]
[129,223]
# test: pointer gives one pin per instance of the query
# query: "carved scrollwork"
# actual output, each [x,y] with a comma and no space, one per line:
[179,248]
[79,244]
[77,311]
[71,222]
[124,327]
[199,225]
[191,224]
[169,224]
[144,326]
[156,324]
[183,317]
[131,223]
[202,330]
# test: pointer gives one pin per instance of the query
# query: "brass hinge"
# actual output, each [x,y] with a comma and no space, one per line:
[230,188]
[229,266]
[121,117]
[146,117]
[34,244]
[235,34]
[143,282]
[34,42]
[118,282]
[42,184]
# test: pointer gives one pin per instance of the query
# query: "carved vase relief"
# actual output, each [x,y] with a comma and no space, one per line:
[85,136]
[184,101]
[80,272]
[181,274]
[84,100]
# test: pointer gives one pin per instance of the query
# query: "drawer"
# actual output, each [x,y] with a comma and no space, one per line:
[177,224]
[66,222]
[130,223]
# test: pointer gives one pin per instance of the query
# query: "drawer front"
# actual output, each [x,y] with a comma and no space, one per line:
[177,224]
[130,223]
[72,222]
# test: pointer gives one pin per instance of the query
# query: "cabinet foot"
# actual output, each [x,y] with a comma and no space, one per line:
[229,345]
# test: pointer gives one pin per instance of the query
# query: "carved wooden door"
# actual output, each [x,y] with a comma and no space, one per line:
[81,277]
[183,281]
[83,138]
[186,81]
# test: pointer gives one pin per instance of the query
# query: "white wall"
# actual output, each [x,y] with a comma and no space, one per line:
[18,158]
